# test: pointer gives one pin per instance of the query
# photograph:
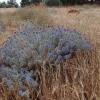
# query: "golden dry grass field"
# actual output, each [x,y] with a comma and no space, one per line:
[77,78]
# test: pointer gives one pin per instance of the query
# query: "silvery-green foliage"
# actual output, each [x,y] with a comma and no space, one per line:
[22,77]
[33,42]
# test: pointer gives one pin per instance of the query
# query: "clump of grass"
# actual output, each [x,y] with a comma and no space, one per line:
[75,79]
[36,14]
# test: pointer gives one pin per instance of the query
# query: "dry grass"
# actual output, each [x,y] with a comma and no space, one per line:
[77,78]
[7,10]
[37,15]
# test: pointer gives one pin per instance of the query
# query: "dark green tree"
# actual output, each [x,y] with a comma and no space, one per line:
[8,5]
[65,2]
[11,4]
[25,3]
[36,1]
[3,5]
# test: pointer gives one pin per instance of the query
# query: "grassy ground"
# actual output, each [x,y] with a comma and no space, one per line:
[77,78]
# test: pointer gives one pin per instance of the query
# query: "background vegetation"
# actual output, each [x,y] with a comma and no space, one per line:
[58,2]
[8,5]
[48,2]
